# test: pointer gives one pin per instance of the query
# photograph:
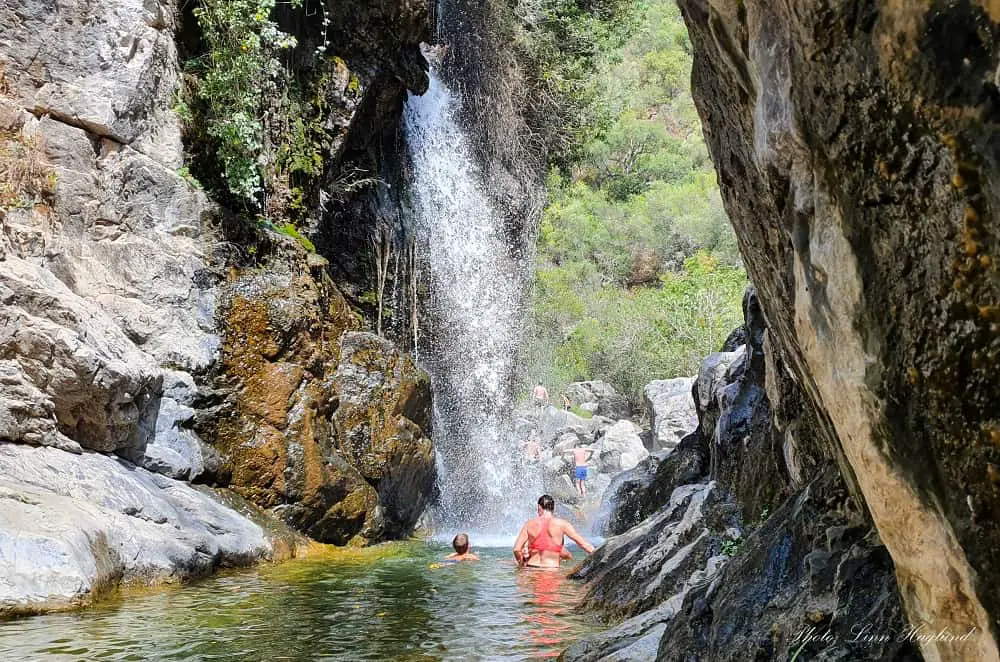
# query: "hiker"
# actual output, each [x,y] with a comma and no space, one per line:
[540,394]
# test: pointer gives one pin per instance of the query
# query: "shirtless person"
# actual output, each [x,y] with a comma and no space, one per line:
[580,457]
[462,553]
[540,542]
[540,394]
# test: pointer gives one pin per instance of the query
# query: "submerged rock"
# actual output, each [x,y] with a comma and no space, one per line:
[75,525]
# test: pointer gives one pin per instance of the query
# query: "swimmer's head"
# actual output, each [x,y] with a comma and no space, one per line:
[545,502]
[461,543]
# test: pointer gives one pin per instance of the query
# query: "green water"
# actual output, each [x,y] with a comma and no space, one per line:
[388,603]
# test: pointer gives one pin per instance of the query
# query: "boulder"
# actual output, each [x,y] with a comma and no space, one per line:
[173,449]
[671,410]
[553,422]
[621,448]
[599,398]
[71,372]
[73,526]
[325,425]
[384,408]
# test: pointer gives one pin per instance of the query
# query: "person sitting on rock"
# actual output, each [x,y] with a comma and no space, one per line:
[540,542]
[580,457]
[462,553]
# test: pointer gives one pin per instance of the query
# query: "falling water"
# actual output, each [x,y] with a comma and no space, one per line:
[475,297]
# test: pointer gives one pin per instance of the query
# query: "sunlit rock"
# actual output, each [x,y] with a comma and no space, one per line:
[73,526]
[671,410]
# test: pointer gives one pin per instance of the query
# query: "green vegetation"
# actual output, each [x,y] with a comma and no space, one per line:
[238,75]
[256,125]
[639,275]
[290,230]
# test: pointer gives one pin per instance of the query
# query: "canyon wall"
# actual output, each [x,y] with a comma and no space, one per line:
[856,147]
[158,336]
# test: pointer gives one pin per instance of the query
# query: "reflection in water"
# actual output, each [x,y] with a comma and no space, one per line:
[549,598]
[392,602]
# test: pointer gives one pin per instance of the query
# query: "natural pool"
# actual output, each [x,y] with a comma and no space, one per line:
[391,602]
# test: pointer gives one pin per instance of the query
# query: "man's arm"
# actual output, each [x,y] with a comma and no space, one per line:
[571,533]
[522,540]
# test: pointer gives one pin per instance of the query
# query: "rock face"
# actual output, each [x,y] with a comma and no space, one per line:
[856,150]
[385,407]
[719,551]
[671,410]
[124,295]
[325,425]
[638,493]
[65,541]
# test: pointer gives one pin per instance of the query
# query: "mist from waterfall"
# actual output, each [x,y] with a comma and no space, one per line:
[474,308]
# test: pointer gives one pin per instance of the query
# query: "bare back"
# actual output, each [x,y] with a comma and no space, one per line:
[580,456]
[555,528]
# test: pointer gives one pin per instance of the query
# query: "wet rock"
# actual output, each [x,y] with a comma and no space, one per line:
[671,410]
[638,493]
[786,593]
[65,542]
[712,375]
[326,425]
[384,408]
[637,570]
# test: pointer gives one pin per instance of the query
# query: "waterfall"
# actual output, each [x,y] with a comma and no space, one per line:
[476,282]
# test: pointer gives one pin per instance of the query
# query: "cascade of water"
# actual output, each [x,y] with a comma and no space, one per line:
[474,306]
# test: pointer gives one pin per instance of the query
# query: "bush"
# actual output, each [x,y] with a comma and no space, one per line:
[26,177]
[639,276]
[238,74]
[630,337]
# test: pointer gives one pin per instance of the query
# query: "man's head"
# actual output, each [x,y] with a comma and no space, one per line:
[546,504]
[461,543]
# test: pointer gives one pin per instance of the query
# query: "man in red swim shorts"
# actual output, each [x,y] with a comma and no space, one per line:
[540,542]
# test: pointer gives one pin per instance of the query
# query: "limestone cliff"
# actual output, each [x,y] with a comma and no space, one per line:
[148,328]
[856,146]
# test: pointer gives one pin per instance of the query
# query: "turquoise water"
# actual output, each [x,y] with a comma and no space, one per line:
[393,602]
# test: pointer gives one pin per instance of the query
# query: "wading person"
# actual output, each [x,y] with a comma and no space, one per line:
[462,553]
[580,457]
[540,542]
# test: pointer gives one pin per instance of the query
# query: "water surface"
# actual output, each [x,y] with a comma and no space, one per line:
[393,602]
